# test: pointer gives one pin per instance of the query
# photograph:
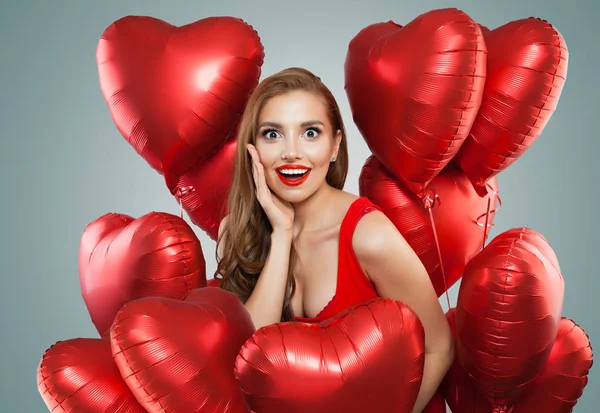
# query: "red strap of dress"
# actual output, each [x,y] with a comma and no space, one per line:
[359,208]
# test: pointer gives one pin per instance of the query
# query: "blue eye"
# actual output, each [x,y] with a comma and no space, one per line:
[316,132]
[310,133]
[268,134]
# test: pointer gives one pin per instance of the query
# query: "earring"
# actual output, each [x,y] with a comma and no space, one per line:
[333,159]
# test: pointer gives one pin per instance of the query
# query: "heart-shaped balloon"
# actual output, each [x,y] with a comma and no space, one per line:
[122,259]
[369,358]
[511,290]
[79,375]
[415,90]
[459,218]
[176,94]
[203,191]
[178,356]
[556,390]
[526,71]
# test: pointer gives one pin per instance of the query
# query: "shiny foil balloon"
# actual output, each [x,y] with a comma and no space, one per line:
[457,386]
[414,91]
[459,218]
[79,375]
[178,356]
[374,348]
[526,71]
[176,94]
[556,390]
[203,191]
[565,375]
[507,314]
[122,259]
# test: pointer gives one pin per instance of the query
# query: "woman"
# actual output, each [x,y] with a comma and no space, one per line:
[295,246]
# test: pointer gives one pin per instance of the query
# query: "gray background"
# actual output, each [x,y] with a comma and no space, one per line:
[63,162]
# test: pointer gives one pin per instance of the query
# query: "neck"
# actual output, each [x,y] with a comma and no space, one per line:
[312,213]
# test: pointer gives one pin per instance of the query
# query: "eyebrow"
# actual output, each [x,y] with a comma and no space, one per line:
[302,125]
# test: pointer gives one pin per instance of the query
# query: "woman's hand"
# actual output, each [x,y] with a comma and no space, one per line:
[279,212]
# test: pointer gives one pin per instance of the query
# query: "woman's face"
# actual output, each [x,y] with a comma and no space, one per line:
[294,132]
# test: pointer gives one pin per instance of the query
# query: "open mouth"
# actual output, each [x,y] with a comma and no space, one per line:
[293,177]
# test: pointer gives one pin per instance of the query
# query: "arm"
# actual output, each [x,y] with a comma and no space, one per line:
[397,273]
[265,303]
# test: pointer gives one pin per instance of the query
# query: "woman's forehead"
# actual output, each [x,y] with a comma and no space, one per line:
[293,108]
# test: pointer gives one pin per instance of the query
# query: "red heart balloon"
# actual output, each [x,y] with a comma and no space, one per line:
[459,218]
[415,90]
[510,290]
[556,390]
[178,356]
[122,259]
[526,71]
[176,94]
[79,375]
[203,191]
[458,387]
[369,358]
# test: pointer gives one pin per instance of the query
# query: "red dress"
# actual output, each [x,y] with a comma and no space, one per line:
[353,285]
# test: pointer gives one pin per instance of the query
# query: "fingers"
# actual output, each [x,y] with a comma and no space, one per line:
[252,151]
[258,174]
[260,177]
[255,176]
[250,148]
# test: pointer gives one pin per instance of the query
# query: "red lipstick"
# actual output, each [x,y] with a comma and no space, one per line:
[291,179]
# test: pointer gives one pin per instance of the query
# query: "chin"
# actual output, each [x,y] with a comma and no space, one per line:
[294,195]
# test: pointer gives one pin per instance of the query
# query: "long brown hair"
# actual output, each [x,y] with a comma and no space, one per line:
[246,237]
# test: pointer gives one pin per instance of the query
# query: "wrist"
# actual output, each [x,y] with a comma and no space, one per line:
[279,234]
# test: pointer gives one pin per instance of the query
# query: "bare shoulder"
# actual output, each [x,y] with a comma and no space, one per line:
[382,250]
[220,233]
[222,225]
[373,231]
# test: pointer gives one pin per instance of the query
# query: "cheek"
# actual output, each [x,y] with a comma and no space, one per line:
[319,155]
[271,177]
[268,153]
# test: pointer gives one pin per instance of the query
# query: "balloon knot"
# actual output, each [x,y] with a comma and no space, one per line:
[504,408]
[183,191]
[491,209]
[429,199]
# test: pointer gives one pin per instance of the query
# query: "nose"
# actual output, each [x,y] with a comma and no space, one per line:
[291,149]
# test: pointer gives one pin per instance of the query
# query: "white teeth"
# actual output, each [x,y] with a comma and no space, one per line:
[293,171]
